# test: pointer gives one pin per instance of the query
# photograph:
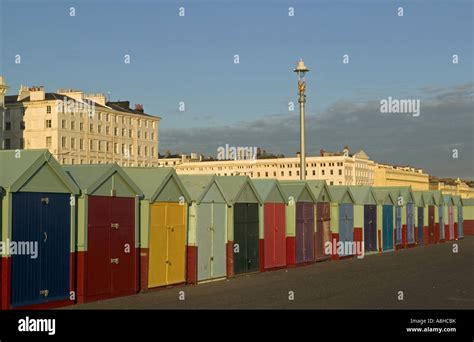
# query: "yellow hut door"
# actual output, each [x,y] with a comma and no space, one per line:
[167,244]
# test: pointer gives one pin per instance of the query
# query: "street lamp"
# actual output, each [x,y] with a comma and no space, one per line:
[301,71]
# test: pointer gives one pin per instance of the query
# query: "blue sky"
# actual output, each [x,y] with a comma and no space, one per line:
[190,59]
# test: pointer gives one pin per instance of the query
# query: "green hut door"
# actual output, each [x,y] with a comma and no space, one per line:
[246,237]
[211,241]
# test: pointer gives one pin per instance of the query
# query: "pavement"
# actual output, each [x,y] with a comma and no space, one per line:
[429,277]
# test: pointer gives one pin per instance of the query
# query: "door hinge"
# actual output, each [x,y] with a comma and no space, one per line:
[114,261]
[44,292]
[45,200]
[114,225]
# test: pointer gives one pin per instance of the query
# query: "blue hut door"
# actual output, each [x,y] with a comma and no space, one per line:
[41,219]
[441,222]
[387,227]
[346,224]
[398,225]
[460,233]
[420,224]
[410,224]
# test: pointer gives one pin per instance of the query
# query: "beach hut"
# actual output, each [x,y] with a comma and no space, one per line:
[272,224]
[458,217]
[430,217]
[107,231]
[243,224]
[300,225]
[419,203]
[468,216]
[365,217]
[163,226]
[38,228]
[440,219]
[404,216]
[449,215]
[207,233]
[385,219]
[323,218]
[342,221]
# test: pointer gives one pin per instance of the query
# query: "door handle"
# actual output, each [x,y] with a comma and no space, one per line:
[114,225]
[168,262]
[44,292]
[114,261]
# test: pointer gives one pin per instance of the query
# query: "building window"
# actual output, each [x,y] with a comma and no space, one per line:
[139,150]
[124,132]
[8,144]
[107,130]
[340,172]
[130,150]
[47,124]
[146,151]
[63,142]
[22,143]
[91,128]
[99,128]
[8,126]
[116,148]
[152,136]
[107,117]
[48,109]
[108,146]
[73,161]
[123,120]
[282,173]
[331,183]
[91,145]
[22,125]
[130,133]
[116,118]
[99,144]
[73,142]
[138,134]
[314,172]
[152,152]
[115,131]
[81,144]
[99,116]
[146,135]
[331,172]
[123,148]
[73,125]
[64,160]
[289,173]
[49,142]
[81,127]
[63,124]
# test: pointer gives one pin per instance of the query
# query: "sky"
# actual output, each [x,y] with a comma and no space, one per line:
[190,60]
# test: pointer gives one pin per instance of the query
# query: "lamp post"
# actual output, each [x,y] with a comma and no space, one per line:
[301,70]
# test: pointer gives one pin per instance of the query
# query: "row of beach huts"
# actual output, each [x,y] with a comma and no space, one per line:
[80,233]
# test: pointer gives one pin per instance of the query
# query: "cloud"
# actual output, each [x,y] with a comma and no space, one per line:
[446,122]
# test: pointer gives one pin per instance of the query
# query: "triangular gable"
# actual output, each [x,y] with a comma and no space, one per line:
[213,193]
[247,194]
[418,199]
[448,200]
[44,174]
[341,194]
[269,190]
[320,190]
[428,198]
[113,180]
[170,190]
